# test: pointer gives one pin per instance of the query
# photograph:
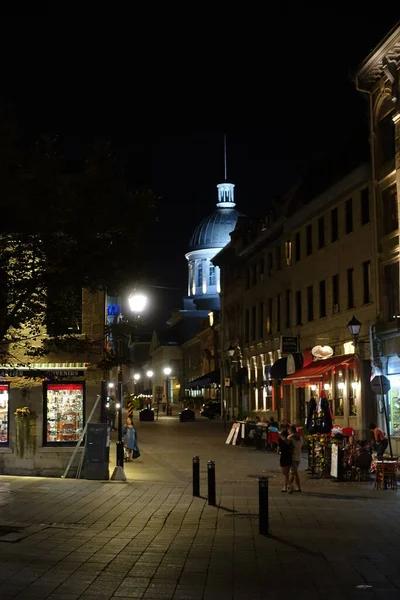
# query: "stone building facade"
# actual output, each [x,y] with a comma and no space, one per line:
[379,79]
[60,391]
[298,276]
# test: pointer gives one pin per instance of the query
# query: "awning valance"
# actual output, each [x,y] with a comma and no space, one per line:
[317,369]
[204,380]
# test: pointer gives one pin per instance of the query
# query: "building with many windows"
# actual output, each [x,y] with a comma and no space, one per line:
[290,284]
[378,78]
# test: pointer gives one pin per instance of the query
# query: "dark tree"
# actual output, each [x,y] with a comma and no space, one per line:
[62,232]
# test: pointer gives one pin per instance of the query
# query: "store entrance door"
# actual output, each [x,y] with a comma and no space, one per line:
[301,405]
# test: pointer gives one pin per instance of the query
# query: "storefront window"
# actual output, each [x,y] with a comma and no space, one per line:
[394,404]
[64,412]
[353,392]
[4,412]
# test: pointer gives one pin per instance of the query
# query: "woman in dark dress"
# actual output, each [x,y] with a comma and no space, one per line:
[285,451]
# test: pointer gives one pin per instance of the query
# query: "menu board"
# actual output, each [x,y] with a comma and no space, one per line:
[335,461]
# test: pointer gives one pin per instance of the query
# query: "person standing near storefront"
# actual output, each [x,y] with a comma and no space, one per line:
[297,443]
[285,461]
[380,438]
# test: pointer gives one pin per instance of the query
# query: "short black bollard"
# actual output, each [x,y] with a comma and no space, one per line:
[263,509]
[196,476]
[211,482]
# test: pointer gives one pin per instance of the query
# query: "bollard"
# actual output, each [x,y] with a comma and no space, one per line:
[211,482]
[263,509]
[196,476]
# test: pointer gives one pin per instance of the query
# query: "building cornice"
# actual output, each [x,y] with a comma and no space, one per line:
[371,69]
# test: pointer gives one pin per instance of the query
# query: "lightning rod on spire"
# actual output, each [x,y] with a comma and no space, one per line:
[225,157]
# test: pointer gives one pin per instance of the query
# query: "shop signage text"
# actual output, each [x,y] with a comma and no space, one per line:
[289,344]
[41,373]
[322,352]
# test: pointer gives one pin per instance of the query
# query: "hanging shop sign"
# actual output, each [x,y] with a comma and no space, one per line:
[289,344]
[322,352]
[380,384]
[227,382]
[42,373]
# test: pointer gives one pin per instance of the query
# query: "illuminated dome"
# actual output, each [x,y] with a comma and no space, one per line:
[209,237]
[214,230]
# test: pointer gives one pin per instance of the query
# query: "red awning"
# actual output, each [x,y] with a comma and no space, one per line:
[317,369]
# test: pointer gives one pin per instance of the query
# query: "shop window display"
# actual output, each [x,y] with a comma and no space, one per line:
[4,412]
[64,411]
[394,405]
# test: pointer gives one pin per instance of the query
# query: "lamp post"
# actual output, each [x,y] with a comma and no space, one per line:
[137,303]
[230,352]
[167,371]
[149,375]
[354,327]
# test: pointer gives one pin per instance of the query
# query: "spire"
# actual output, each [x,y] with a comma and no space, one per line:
[226,177]
[225,190]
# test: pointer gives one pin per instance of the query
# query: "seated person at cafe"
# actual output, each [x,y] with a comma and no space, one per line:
[363,457]
[285,425]
[273,425]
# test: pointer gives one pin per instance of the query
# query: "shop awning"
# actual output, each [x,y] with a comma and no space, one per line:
[279,368]
[317,369]
[204,380]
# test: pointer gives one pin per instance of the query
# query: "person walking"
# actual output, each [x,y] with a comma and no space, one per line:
[285,451]
[297,443]
[130,437]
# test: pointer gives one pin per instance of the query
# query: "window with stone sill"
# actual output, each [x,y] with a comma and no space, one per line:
[339,407]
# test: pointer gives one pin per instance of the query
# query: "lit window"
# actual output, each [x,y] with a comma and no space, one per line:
[4,413]
[63,412]
[211,276]
[199,276]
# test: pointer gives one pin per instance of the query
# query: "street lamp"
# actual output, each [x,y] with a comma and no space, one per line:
[354,327]
[231,351]
[167,371]
[137,303]
[136,376]
[150,374]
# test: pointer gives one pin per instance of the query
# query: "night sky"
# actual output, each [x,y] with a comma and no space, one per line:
[165,87]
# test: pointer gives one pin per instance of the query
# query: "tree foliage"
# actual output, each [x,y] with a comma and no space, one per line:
[62,231]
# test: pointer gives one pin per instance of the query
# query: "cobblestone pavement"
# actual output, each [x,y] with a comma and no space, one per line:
[149,538]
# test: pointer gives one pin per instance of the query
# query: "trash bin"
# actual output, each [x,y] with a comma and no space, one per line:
[187,414]
[97,451]
[146,414]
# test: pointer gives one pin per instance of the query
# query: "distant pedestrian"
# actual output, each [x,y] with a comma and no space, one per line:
[381,440]
[285,425]
[297,443]
[285,451]
[130,438]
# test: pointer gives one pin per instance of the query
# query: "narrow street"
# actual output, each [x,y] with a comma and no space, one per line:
[149,538]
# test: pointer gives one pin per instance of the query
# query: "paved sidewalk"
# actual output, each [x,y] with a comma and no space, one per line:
[67,539]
